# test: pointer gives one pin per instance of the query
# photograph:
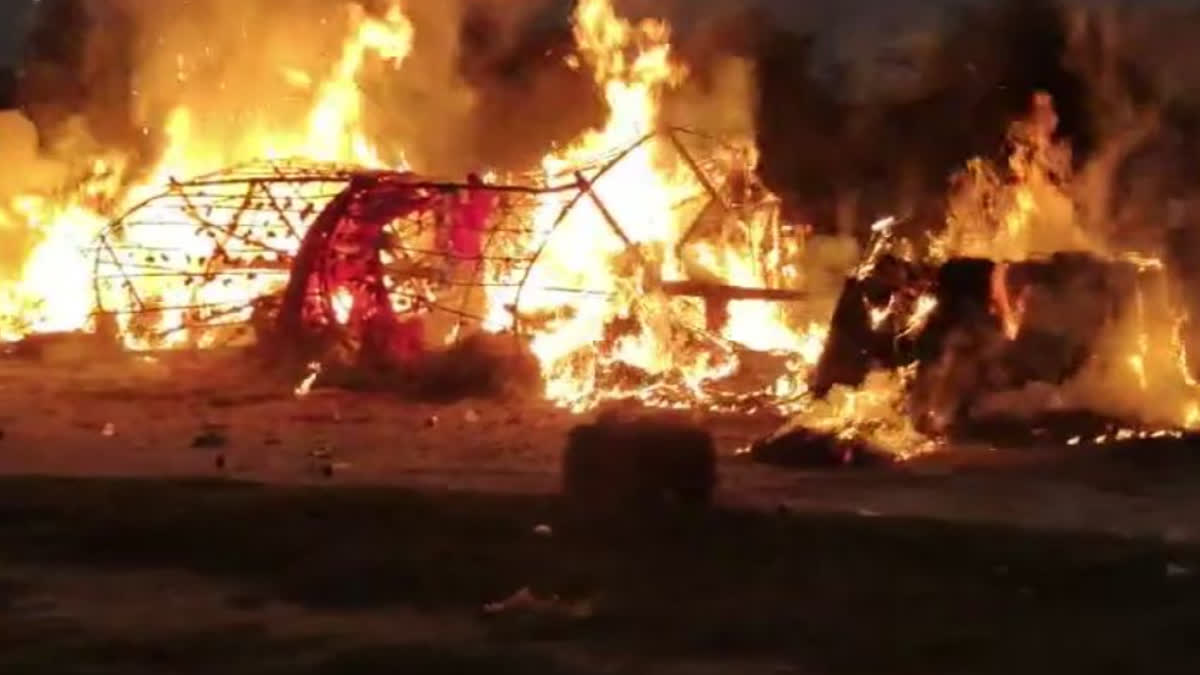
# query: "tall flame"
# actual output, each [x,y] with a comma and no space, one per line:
[621,239]
[55,288]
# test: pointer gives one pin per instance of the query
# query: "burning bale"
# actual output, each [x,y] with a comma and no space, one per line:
[639,462]
[994,326]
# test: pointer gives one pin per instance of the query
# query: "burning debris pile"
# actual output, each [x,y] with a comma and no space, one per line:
[1010,324]
[641,261]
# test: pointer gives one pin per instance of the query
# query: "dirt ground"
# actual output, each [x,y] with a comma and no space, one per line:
[181,515]
[145,418]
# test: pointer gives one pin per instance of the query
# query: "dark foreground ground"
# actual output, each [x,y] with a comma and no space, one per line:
[122,576]
[199,518]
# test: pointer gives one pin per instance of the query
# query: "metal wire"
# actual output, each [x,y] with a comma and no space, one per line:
[247,222]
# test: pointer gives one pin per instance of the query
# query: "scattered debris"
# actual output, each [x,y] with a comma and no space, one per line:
[333,416]
[1178,534]
[807,448]
[1177,571]
[108,430]
[543,530]
[210,438]
[471,416]
[305,386]
[322,460]
[525,601]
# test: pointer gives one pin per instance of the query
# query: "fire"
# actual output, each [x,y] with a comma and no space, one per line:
[621,245]
[631,63]
[343,304]
[38,303]
[55,290]
[599,300]
[1024,211]
[306,385]
[1009,312]
[921,312]
[875,412]
[335,124]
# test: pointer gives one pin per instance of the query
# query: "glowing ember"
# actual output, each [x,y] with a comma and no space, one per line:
[921,312]
[1010,313]
[305,386]
[343,305]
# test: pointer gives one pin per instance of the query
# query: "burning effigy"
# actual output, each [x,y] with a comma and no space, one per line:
[390,264]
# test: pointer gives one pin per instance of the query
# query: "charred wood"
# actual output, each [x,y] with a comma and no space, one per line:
[811,449]
[855,346]
[846,358]
[717,297]
[725,292]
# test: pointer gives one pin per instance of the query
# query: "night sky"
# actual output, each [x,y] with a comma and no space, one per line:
[14,19]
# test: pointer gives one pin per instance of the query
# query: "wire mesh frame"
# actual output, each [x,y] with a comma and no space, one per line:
[254,217]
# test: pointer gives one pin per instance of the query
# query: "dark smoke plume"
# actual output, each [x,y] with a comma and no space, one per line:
[859,110]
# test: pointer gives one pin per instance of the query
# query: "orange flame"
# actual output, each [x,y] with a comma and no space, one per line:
[1010,313]
[55,287]
[620,252]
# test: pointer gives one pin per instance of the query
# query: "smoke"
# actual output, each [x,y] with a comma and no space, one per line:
[858,107]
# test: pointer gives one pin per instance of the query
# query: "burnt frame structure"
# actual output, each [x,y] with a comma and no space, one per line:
[271,208]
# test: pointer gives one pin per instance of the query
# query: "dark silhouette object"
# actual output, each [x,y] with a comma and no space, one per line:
[8,88]
[809,449]
[639,463]
[210,438]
